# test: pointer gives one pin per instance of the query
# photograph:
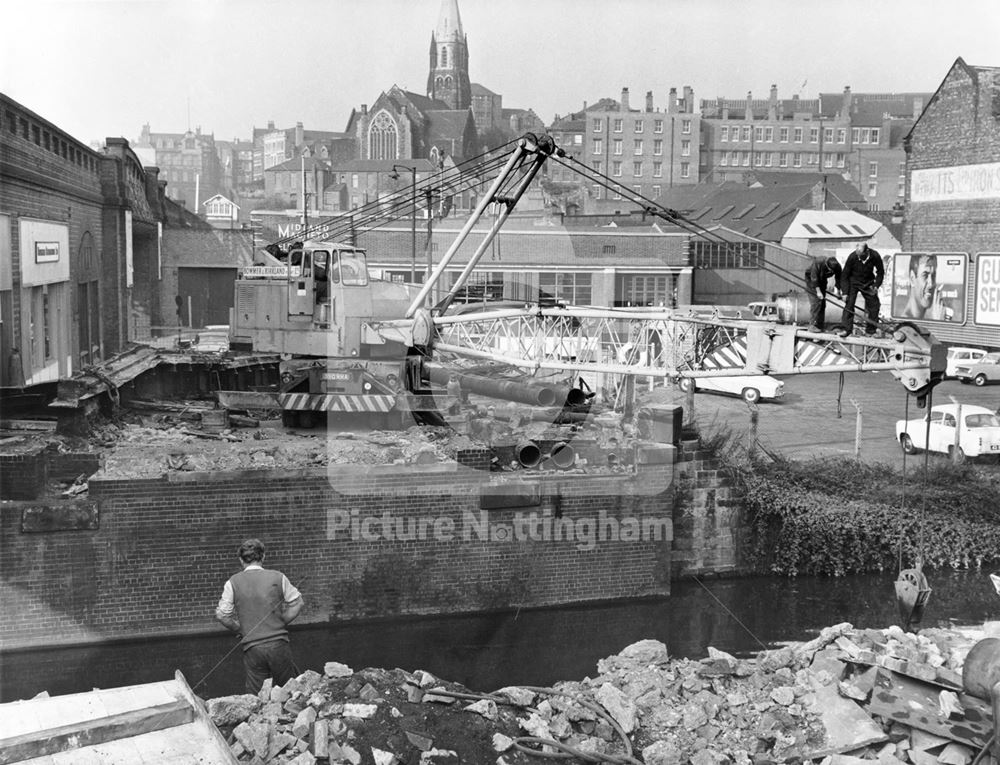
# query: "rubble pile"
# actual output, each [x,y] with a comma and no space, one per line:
[845,697]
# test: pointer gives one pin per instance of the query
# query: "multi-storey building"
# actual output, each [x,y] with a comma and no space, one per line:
[189,162]
[644,151]
[855,135]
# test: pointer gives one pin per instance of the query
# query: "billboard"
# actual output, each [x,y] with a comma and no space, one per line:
[988,289]
[930,286]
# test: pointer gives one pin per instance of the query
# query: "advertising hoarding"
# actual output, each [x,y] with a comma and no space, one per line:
[987,294]
[929,286]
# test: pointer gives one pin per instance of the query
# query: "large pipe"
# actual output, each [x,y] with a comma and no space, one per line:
[510,390]
[563,455]
[528,454]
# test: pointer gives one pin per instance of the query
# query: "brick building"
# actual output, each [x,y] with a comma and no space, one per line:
[953,200]
[859,135]
[79,244]
[646,151]
[189,162]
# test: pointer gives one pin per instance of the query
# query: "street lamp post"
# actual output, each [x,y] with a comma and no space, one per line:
[413,218]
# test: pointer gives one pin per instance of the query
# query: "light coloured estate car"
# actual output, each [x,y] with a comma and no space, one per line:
[979,433]
[751,388]
[981,371]
[961,357]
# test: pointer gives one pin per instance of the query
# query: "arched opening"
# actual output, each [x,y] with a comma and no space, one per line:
[382,137]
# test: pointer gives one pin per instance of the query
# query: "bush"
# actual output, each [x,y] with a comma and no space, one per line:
[837,517]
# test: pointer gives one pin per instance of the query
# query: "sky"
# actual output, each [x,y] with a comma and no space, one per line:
[98,68]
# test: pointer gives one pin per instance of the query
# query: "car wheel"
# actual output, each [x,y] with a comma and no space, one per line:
[961,455]
[751,395]
[907,443]
[686,384]
[980,379]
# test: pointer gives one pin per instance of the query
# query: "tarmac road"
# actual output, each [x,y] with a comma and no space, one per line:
[805,422]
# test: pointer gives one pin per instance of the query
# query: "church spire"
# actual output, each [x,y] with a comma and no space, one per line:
[448,79]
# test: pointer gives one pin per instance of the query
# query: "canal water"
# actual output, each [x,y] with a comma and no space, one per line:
[536,647]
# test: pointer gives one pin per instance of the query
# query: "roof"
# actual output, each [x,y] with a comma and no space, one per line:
[215,248]
[481,90]
[832,224]
[222,197]
[839,188]
[966,409]
[447,126]
[311,163]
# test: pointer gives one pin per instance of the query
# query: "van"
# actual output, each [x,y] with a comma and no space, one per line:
[959,356]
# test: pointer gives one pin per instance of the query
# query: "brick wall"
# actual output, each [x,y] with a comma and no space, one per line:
[25,476]
[164,547]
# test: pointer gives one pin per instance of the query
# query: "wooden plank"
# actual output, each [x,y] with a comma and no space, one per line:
[92,732]
[202,716]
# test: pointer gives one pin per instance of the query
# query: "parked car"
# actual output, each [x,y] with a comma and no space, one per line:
[979,433]
[985,370]
[751,388]
[961,357]
[764,309]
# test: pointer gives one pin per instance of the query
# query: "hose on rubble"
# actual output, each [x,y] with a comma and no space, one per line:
[523,743]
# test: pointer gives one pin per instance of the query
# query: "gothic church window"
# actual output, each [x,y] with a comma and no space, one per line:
[444,57]
[382,137]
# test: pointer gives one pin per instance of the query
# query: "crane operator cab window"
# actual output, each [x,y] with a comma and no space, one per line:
[349,268]
[321,271]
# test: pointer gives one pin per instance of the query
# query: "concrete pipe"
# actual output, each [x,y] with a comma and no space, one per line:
[563,455]
[509,390]
[613,459]
[528,454]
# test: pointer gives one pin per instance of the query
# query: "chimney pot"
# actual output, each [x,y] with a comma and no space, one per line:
[625,106]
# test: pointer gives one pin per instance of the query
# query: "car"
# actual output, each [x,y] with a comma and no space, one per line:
[980,372]
[979,434]
[766,310]
[961,357]
[751,388]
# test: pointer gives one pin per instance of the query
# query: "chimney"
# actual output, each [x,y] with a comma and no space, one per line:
[585,106]
[270,124]
[845,108]
[625,99]
[688,99]
[364,108]
[649,100]
[299,138]
[672,101]
[772,103]
[749,107]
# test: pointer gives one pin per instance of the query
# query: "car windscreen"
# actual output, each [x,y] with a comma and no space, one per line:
[982,421]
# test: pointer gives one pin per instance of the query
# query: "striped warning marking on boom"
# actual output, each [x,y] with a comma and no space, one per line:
[336,402]
[731,356]
[808,354]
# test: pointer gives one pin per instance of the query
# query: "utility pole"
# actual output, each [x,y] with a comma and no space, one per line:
[429,193]
[305,208]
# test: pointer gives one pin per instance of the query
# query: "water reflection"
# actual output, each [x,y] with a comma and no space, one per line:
[530,647]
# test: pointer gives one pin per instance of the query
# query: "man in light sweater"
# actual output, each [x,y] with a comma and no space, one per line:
[258,604]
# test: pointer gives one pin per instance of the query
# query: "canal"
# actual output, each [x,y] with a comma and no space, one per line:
[538,647]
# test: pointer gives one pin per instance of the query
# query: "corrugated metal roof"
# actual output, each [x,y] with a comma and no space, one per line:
[831,224]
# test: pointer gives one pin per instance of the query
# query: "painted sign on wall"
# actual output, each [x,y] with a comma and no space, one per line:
[988,289]
[961,182]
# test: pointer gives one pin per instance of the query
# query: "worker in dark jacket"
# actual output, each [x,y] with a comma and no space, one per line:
[863,274]
[817,276]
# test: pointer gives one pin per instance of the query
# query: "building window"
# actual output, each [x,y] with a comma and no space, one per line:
[873,188]
[873,169]
[637,126]
[618,126]
[828,135]
[598,146]
[724,134]
[637,190]
[828,159]
[597,191]
[637,169]
[727,254]
[746,132]
[637,149]
[382,137]
[783,134]
[598,126]
[798,135]
[796,160]
[758,133]
[866,135]
[746,159]
[814,135]
[769,134]
[767,159]
[658,169]
[616,192]
[656,192]
[840,159]
[724,158]
[648,290]
[901,187]
[658,146]
[618,146]
[685,170]
[875,135]
[841,135]
[686,127]
[856,135]
[596,165]
[783,159]
[685,148]
[616,169]
[574,289]
[758,158]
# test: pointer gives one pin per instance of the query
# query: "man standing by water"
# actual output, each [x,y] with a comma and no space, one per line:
[863,274]
[258,604]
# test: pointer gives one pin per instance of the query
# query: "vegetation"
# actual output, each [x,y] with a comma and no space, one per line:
[842,516]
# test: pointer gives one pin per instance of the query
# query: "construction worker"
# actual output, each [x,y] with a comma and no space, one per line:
[259,604]
[817,276]
[863,274]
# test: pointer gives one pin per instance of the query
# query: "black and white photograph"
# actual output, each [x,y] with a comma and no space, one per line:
[416,382]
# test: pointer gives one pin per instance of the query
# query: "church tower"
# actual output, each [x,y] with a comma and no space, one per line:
[448,79]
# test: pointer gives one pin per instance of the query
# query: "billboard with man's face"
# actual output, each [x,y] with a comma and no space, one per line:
[929,286]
